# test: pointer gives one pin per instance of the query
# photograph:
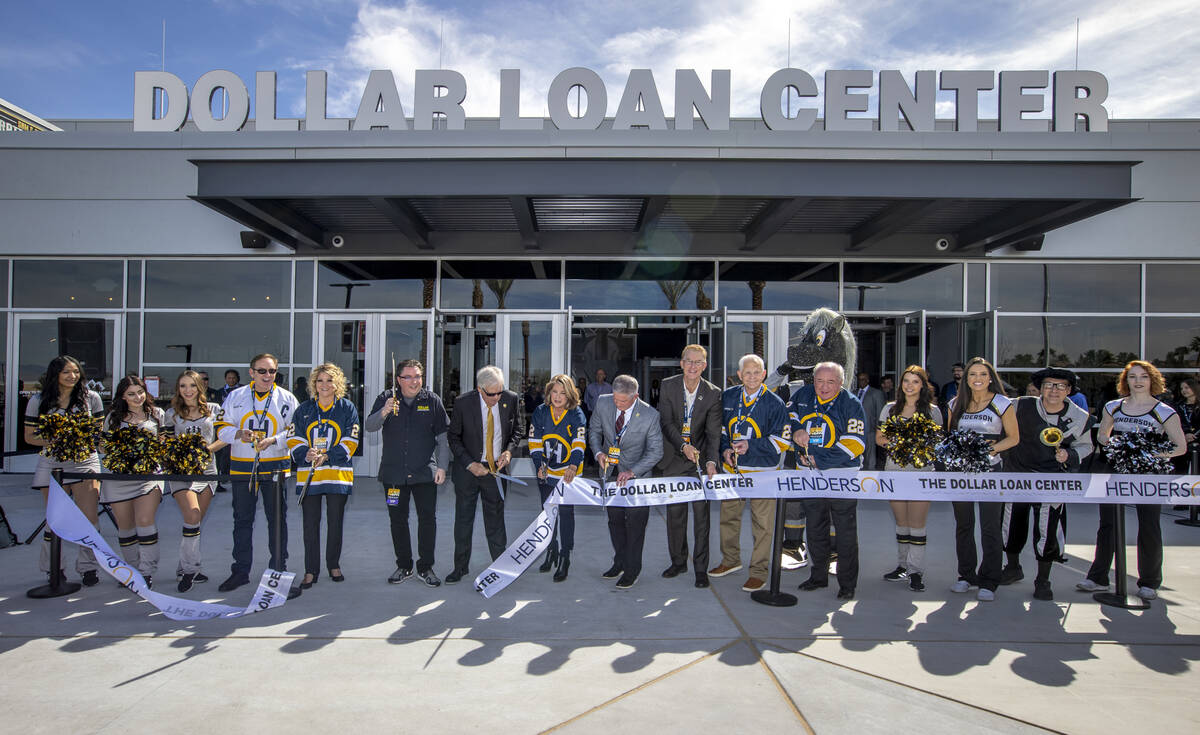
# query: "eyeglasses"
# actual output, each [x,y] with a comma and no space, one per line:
[1055,386]
[265,371]
[694,362]
[410,377]
[489,394]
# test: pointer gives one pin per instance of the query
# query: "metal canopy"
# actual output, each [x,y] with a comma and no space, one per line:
[977,205]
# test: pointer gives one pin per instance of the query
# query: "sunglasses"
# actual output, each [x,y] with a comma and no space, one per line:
[265,371]
[490,394]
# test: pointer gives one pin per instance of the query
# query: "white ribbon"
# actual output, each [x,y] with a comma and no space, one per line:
[66,520]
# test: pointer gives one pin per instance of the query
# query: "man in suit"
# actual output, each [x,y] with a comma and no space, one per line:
[483,434]
[625,436]
[689,410]
[873,401]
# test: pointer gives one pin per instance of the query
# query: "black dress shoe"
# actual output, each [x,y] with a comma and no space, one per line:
[339,577]
[845,594]
[549,562]
[701,580]
[811,584]
[674,571]
[613,572]
[454,577]
[90,578]
[625,582]
[234,581]
[305,585]
[564,565]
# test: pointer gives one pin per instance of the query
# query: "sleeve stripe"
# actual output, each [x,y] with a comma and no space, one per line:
[852,445]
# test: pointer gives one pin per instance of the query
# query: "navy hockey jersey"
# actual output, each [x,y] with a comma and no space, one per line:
[835,427]
[333,428]
[761,419]
[557,443]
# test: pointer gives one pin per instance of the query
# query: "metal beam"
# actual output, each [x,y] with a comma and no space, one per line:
[242,217]
[1026,220]
[524,216]
[405,219]
[774,216]
[890,221]
[283,218]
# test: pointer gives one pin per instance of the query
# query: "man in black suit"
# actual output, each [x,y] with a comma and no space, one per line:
[689,410]
[483,435]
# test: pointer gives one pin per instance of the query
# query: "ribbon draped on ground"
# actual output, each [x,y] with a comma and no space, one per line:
[66,520]
[996,487]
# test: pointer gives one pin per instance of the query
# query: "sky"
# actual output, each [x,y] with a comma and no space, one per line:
[76,59]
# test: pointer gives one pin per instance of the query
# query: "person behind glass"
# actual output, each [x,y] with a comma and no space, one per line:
[483,435]
[950,389]
[599,387]
[323,439]
[914,397]
[233,381]
[625,436]
[1188,408]
[1137,411]
[64,391]
[754,437]
[827,427]
[689,410]
[872,400]
[1055,437]
[254,421]
[134,503]
[557,442]
[981,406]
[416,453]
[211,394]
[189,413]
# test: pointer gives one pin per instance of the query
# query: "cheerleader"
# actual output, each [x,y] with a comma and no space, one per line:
[191,414]
[914,396]
[323,439]
[134,503]
[64,391]
[982,407]
[557,432]
[1138,410]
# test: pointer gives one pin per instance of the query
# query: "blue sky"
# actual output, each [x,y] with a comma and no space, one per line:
[74,59]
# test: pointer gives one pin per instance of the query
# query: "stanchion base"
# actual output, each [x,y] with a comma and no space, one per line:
[1128,602]
[774,599]
[1188,522]
[51,590]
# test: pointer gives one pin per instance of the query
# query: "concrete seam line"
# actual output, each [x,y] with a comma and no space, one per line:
[640,687]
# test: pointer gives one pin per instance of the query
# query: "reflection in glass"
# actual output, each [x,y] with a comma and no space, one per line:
[462,349]
[1075,287]
[375,284]
[629,285]
[1173,342]
[778,286]
[4,283]
[304,284]
[345,346]
[218,284]
[405,339]
[1085,342]
[68,284]
[133,284]
[215,339]
[302,346]
[976,286]
[38,343]
[501,284]
[529,356]
[1171,287]
[1096,388]
[903,286]
[744,338]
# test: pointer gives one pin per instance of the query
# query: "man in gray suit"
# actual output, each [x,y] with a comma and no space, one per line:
[873,401]
[624,432]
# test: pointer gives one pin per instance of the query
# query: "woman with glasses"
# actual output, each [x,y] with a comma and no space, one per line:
[557,440]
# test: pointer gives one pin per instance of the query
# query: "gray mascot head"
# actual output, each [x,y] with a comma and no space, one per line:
[826,336]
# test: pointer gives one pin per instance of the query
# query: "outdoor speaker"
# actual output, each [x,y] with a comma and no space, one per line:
[254,241]
[84,340]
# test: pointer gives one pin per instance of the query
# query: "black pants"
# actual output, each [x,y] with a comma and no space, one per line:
[844,514]
[468,491]
[564,534]
[677,542]
[627,529]
[424,497]
[1016,528]
[1149,545]
[311,507]
[991,541]
[245,505]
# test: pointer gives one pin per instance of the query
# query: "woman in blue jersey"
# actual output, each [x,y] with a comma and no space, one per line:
[982,407]
[1138,410]
[323,441]
[557,432]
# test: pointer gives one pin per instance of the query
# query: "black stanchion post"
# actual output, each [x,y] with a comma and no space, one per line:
[1193,518]
[58,585]
[772,596]
[1120,597]
[277,542]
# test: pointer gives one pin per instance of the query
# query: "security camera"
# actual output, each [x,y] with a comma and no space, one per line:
[941,244]
[337,241]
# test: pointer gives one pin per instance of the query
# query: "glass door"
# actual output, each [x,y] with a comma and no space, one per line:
[979,336]
[349,341]
[910,339]
[465,343]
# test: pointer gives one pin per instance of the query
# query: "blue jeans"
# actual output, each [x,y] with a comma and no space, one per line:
[565,538]
[244,505]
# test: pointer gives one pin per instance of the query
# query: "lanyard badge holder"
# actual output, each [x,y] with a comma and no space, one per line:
[321,446]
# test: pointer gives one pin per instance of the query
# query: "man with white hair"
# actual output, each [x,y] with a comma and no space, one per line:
[754,436]
[827,427]
[483,435]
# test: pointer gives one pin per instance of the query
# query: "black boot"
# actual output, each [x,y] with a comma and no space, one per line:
[564,564]
[548,563]
[1041,583]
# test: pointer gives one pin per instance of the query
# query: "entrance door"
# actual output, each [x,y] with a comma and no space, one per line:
[910,339]
[979,336]
[465,343]
[37,339]
[532,350]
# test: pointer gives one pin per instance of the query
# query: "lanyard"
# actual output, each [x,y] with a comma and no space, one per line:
[260,420]
[323,419]
[624,428]
[741,414]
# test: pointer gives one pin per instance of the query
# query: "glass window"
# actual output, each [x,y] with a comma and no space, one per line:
[743,339]
[501,284]
[405,339]
[1173,342]
[375,284]
[976,286]
[629,285]
[3,283]
[529,356]
[903,286]
[1171,287]
[218,284]
[1072,341]
[133,338]
[780,286]
[133,289]
[1096,388]
[68,284]
[304,284]
[215,339]
[1079,287]
[302,347]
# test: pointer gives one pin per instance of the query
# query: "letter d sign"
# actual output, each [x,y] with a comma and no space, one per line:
[175,99]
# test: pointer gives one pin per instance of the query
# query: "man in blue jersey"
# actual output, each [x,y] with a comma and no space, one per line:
[827,427]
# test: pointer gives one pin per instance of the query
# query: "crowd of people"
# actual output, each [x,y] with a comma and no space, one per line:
[695,427]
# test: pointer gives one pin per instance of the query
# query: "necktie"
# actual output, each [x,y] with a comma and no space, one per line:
[489,437]
[620,422]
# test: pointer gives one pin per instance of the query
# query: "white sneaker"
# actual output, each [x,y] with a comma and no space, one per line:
[961,586]
[985,595]
[1147,593]
[1088,585]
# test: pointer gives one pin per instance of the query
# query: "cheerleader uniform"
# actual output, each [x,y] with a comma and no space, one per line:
[86,560]
[141,548]
[335,430]
[1149,537]
[205,426]
[987,422]
[910,542]
[556,444]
